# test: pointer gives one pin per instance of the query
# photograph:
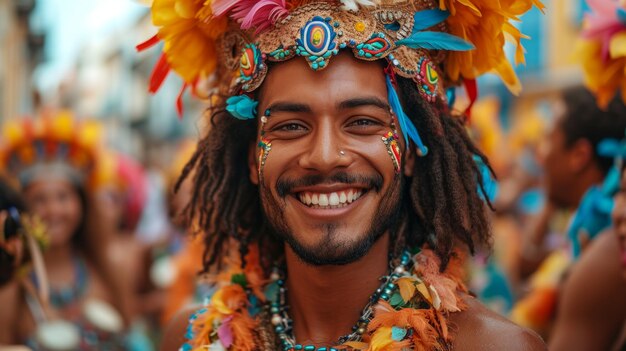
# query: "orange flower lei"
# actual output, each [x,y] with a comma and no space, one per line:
[415,316]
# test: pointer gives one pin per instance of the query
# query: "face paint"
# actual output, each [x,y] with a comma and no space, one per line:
[391,142]
[265,145]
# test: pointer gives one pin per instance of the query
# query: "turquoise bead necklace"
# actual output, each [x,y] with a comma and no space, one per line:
[283,325]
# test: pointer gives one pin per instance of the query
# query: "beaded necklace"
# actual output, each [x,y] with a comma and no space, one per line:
[408,311]
[283,325]
[67,295]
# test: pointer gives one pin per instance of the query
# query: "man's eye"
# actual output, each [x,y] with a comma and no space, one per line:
[363,122]
[290,127]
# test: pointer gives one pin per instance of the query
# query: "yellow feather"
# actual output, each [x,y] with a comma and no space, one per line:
[618,45]
[381,339]
[407,288]
[421,287]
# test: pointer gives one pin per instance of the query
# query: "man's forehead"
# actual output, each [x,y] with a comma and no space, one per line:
[346,81]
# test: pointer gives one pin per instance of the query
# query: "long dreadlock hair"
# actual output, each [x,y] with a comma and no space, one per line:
[443,207]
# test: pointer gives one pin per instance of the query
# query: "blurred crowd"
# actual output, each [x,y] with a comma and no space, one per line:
[96,252]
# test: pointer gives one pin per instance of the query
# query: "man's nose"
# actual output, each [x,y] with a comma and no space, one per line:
[327,150]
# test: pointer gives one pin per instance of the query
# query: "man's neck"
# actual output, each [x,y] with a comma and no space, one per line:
[326,301]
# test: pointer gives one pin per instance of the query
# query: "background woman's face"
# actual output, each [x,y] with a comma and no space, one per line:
[58,204]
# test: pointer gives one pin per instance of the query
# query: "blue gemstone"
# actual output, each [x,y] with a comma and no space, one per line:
[309,348]
[298,347]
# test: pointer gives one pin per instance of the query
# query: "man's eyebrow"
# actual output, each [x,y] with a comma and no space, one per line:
[289,107]
[363,101]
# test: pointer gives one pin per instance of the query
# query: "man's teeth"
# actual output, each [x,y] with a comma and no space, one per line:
[331,200]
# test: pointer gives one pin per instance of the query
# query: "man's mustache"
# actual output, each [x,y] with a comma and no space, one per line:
[285,186]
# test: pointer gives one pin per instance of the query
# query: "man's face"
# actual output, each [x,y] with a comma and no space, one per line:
[619,220]
[329,186]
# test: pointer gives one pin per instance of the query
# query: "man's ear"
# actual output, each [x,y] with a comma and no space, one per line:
[409,160]
[580,155]
[252,166]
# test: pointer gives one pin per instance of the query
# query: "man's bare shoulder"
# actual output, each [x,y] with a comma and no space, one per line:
[174,336]
[478,328]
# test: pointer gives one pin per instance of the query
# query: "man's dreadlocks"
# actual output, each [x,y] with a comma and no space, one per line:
[443,206]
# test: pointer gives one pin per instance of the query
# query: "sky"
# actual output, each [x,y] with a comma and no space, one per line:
[69,24]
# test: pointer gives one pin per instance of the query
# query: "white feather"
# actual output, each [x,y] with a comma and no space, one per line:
[353,5]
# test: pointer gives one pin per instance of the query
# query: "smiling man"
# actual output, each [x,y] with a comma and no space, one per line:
[336,192]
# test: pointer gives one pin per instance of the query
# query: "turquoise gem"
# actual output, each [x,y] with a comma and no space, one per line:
[322,349]
[384,297]
[298,347]
[309,348]
[397,334]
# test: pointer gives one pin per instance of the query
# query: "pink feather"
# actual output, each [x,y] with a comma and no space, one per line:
[603,8]
[225,333]
[258,14]
[220,7]
[264,14]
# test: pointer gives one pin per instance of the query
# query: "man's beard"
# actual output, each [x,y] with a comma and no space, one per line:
[329,251]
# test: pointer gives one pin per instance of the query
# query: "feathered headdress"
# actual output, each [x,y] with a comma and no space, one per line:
[437,43]
[53,144]
[602,49]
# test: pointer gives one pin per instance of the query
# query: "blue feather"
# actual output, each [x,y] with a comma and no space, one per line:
[435,41]
[489,185]
[407,127]
[451,94]
[242,107]
[428,18]
[612,148]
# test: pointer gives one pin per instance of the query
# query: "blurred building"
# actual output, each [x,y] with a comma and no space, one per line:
[21,52]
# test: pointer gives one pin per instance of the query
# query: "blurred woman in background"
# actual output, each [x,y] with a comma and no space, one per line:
[55,161]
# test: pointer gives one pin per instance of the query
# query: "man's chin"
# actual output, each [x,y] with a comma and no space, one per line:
[333,253]
[320,257]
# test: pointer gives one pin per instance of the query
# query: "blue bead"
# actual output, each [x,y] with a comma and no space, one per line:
[297,347]
[309,348]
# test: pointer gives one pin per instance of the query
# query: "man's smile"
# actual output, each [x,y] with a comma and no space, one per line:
[327,201]
[330,200]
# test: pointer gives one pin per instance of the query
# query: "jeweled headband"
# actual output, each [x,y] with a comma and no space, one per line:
[437,43]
